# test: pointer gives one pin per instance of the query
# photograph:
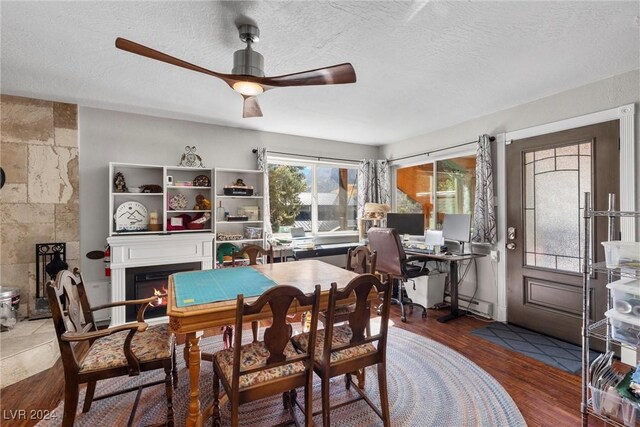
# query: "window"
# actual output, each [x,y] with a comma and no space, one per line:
[453,181]
[319,197]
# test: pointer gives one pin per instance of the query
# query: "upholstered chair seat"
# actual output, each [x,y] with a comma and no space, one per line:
[255,355]
[341,336]
[108,352]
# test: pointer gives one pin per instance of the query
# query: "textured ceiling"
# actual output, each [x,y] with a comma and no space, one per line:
[421,66]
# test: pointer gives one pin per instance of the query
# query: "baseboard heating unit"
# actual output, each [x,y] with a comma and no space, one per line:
[479,307]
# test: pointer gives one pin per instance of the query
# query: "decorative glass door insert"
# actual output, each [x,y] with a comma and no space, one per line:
[554,185]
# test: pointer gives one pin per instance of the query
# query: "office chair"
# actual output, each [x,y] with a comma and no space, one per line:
[393,264]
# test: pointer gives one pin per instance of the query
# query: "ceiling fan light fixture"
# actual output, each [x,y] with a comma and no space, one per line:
[248,88]
[247,76]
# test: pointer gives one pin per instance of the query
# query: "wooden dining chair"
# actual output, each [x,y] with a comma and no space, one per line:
[359,260]
[252,252]
[126,349]
[264,368]
[343,349]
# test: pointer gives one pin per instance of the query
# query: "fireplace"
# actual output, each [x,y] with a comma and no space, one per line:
[151,254]
[144,282]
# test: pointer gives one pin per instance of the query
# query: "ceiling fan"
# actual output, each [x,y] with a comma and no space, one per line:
[247,77]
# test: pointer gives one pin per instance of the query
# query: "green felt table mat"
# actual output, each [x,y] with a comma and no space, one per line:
[223,284]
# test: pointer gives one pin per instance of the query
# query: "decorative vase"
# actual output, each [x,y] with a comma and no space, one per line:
[220,212]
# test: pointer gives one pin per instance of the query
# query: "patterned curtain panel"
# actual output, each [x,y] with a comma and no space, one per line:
[264,167]
[484,217]
[373,183]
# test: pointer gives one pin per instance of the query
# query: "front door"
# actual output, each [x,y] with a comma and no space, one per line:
[547,176]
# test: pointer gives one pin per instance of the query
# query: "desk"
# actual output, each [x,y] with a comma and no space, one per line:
[453,277]
[194,319]
[282,251]
[324,250]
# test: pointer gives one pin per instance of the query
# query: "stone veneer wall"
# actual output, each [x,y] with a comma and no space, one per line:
[40,200]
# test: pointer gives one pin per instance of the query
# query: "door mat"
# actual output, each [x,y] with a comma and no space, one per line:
[552,351]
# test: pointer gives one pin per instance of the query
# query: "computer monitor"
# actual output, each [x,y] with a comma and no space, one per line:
[297,232]
[406,223]
[457,227]
[433,238]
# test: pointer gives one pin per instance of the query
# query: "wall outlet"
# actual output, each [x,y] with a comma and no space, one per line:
[495,256]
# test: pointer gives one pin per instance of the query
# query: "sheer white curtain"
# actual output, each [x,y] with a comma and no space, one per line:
[484,217]
[373,183]
[261,154]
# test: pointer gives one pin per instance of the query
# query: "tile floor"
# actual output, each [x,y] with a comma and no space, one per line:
[30,347]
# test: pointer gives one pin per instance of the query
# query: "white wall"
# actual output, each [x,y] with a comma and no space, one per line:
[602,95]
[106,136]
[109,136]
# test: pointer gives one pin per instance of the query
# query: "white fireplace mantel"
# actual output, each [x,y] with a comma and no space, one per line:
[143,251]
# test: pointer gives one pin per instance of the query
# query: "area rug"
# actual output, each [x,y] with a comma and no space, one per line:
[551,351]
[428,383]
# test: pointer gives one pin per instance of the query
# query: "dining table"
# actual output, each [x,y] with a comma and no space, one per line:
[191,312]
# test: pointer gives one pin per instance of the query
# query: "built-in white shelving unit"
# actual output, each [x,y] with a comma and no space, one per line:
[236,205]
[172,181]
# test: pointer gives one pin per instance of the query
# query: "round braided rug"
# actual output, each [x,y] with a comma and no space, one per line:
[429,385]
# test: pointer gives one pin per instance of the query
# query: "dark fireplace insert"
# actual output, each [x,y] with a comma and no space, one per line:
[144,282]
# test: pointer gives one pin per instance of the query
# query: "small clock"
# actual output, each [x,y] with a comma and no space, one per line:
[131,216]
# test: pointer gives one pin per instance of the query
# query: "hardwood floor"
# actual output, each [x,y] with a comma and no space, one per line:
[545,395]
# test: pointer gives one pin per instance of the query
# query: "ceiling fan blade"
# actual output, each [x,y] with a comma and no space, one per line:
[251,108]
[141,50]
[334,75]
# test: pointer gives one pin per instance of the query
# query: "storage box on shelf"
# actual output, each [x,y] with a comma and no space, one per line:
[610,405]
[238,208]
[621,254]
[621,324]
[626,296]
[624,327]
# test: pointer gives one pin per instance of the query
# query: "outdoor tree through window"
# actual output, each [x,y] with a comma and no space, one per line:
[317,197]
[286,183]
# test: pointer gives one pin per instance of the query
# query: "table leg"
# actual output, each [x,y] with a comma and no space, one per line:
[185,353]
[227,336]
[194,419]
[453,288]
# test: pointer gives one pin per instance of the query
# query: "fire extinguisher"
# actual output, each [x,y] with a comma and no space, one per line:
[107,261]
